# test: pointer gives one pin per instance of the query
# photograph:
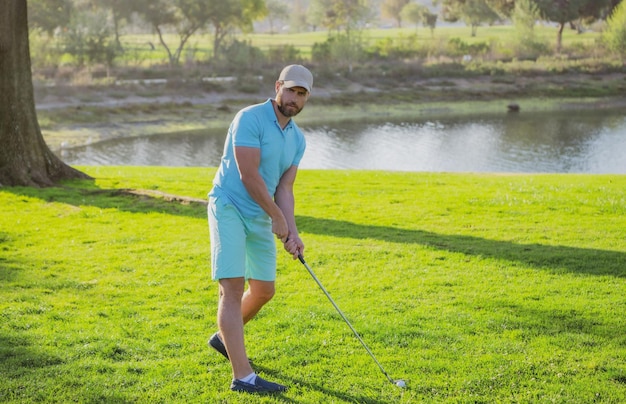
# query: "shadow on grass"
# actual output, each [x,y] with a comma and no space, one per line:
[127,200]
[18,354]
[565,326]
[556,258]
[9,270]
[355,398]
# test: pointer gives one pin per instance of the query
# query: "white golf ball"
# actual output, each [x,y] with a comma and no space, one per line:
[400,383]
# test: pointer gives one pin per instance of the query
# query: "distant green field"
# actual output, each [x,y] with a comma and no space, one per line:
[200,46]
[474,288]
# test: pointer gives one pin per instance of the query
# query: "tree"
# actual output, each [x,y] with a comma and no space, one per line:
[185,17]
[338,15]
[276,11]
[25,159]
[429,20]
[298,16]
[525,16]
[121,10]
[89,39]
[346,18]
[225,16]
[563,12]
[473,12]
[615,33]
[504,8]
[416,13]
[413,13]
[393,9]
[48,15]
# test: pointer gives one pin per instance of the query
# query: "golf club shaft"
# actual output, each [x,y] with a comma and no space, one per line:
[301,258]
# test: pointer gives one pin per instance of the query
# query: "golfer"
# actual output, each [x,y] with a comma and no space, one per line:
[251,202]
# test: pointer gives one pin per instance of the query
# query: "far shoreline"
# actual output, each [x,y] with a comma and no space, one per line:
[83,119]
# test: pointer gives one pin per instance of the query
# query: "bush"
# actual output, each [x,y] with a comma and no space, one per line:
[531,49]
[615,34]
[399,48]
[341,49]
[457,47]
[89,40]
[320,52]
[240,57]
[284,54]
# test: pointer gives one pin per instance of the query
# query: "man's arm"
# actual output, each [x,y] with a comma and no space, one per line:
[248,160]
[286,202]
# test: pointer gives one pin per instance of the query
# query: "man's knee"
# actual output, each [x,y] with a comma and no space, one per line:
[262,291]
[231,288]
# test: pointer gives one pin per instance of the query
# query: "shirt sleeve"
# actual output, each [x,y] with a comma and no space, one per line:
[246,130]
[300,151]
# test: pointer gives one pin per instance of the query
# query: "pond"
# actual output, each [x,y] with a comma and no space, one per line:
[580,141]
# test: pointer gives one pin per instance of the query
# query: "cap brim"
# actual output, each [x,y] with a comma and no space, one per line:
[293,83]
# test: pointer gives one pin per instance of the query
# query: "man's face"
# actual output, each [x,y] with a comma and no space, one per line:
[290,101]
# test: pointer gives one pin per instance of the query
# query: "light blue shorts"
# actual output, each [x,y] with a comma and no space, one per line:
[240,246]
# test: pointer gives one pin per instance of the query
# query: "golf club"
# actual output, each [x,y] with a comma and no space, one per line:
[399,383]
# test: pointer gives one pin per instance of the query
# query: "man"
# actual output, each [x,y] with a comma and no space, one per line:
[251,202]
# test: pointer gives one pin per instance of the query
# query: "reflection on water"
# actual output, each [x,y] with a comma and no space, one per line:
[579,141]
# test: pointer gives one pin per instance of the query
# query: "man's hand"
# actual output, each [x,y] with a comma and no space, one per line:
[279,226]
[294,246]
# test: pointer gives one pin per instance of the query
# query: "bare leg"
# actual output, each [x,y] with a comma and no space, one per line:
[230,323]
[258,293]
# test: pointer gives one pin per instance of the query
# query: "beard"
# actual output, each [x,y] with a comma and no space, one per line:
[289,110]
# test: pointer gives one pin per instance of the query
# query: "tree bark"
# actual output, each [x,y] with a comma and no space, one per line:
[559,37]
[25,159]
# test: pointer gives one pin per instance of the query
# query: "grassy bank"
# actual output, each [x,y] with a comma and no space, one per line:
[86,124]
[472,288]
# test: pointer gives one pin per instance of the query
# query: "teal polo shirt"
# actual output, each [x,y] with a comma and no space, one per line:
[257,126]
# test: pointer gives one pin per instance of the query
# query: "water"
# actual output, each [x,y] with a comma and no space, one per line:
[557,142]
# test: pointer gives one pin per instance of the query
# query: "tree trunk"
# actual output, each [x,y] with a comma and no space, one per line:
[25,159]
[559,37]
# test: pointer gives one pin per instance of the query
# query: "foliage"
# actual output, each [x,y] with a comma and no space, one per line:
[276,10]
[400,47]
[343,49]
[44,52]
[239,57]
[121,11]
[416,13]
[284,55]
[184,17]
[48,15]
[341,15]
[470,287]
[88,39]
[229,22]
[394,8]
[566,11]
[226,16]
[528,45]
[504,8]
[615,33]
[473,12]
[458,47]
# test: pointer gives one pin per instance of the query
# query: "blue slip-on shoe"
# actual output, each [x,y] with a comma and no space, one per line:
[216,343]
[259,386]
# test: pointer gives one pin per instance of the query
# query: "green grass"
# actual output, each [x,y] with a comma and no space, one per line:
[139,51]
[471,287]
[202,43]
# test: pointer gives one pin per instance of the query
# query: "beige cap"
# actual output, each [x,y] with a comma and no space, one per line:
[296,76]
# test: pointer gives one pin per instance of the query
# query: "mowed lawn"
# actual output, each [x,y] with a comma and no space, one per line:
[470,287]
